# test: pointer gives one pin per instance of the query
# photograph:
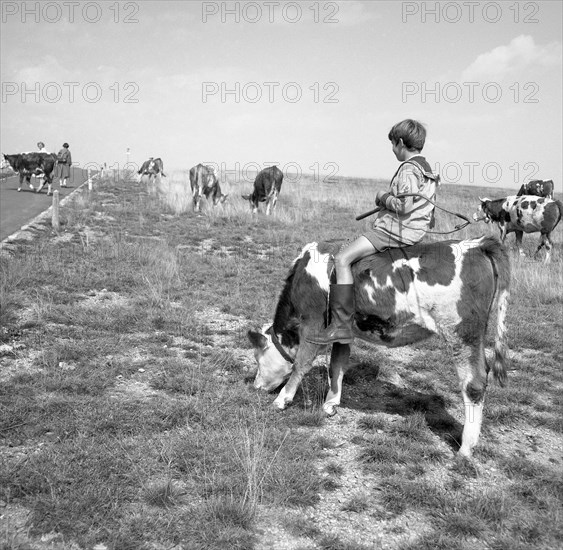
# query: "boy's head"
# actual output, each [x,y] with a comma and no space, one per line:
[411,132]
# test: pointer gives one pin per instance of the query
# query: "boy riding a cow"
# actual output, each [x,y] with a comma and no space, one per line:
[400,221]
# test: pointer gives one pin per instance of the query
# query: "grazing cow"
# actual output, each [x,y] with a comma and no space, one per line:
[539,188]
[152,168]
[402,295]
[203,181]
[267,187]
[28,164]
[524,214]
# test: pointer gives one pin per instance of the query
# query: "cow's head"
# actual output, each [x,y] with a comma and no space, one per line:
[5,162]
[273,368]
[482,213]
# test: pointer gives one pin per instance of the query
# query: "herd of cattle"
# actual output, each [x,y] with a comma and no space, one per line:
[533,209]
[205,183]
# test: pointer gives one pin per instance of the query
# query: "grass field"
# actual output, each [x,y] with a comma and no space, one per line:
[128,420]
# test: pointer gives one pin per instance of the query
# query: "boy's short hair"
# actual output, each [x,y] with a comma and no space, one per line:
[411,132]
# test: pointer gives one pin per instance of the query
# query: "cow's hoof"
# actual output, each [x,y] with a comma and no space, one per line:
[279,406]
[330,410]
[464,453]
[19,189]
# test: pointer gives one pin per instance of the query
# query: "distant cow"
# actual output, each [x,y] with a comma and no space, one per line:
[524,214]
[203,181]
[152,168]
[402,296]
[267,187]
[539,188]
[28,164]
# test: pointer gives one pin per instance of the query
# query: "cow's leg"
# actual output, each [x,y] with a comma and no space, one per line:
[472,373]
[519,235]
[196,196]
[545,241]
[303,363]
[28,180]
[21,181]
[38,190]
[339,359]
[274,200]
[502,229]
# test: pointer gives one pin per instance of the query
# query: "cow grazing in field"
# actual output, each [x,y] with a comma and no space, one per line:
[539,188]
[401,296]
[267,187]
[152,168]
[28,164]
[204,181]
[524,214]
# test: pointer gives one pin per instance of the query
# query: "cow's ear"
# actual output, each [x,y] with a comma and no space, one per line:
[257,339]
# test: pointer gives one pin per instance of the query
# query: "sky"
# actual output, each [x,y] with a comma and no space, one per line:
[311,86]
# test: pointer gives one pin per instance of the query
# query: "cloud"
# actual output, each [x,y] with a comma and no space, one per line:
[520,54]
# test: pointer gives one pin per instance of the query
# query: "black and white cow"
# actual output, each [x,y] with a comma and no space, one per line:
[152,168]
[267,187]
[539,188]
[524,214]
[401,296]
[204,181]
[28,164]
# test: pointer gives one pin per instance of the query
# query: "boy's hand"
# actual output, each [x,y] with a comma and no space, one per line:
[381,198]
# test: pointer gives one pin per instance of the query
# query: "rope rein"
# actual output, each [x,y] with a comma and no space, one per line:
[458,227]
[465,219]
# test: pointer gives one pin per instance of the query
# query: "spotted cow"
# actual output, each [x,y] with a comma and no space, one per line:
[204,182]
[28,164]
[152,168]
[267,187]
[401,296]
[524,214]
[539,188]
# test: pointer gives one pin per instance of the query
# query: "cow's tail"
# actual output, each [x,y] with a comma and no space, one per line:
[500,262]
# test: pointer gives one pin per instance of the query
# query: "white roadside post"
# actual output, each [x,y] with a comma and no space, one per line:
[89,179]
[55,219]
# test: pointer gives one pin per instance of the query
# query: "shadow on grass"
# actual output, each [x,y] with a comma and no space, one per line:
[363,391]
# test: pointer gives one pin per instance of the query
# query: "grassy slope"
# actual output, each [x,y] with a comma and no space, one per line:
[126,414]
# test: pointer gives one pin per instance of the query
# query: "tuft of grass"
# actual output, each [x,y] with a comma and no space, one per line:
[334,469]
[163,494]
[357,503]
[373,423]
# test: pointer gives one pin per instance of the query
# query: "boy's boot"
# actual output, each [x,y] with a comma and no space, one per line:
[342,312]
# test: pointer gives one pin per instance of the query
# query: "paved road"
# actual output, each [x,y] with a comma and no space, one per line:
[18,209]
